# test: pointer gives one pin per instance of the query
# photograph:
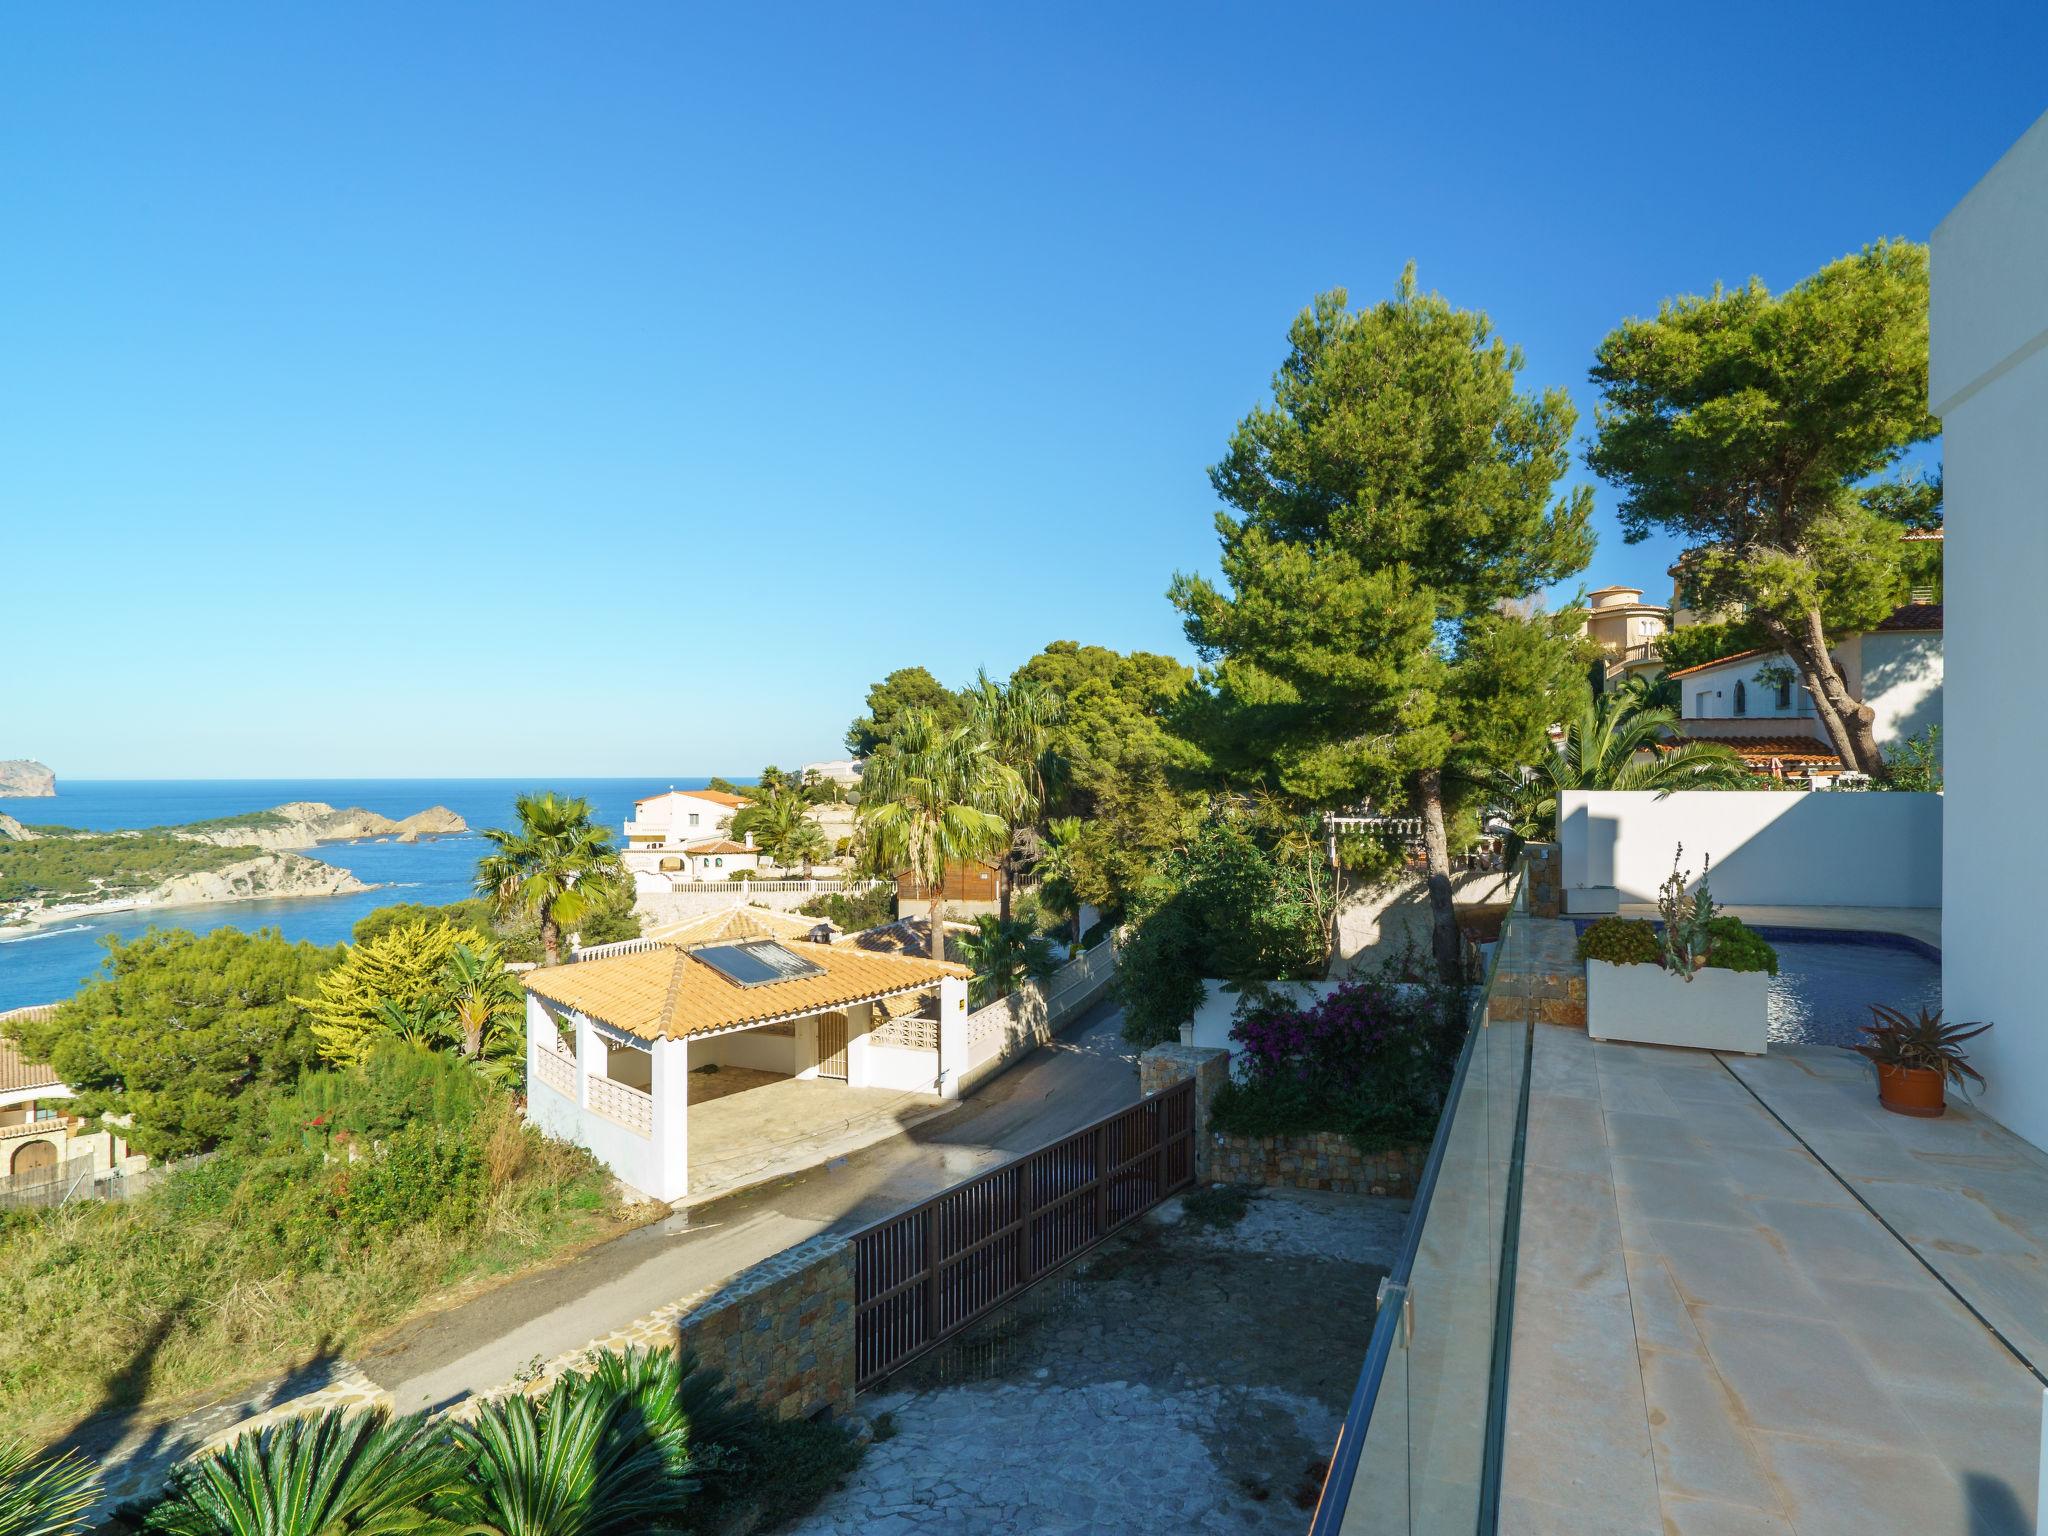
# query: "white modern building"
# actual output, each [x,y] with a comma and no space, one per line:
[680,836]
[1989,386]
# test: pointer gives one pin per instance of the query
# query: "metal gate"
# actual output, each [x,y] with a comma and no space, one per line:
[927,1273]
[832,1045]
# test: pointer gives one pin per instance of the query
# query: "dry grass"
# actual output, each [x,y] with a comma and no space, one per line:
[146,1301]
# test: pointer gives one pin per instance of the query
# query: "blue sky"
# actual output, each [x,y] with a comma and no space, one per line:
[412,389]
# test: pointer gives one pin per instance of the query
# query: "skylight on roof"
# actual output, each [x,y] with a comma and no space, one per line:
[756,962]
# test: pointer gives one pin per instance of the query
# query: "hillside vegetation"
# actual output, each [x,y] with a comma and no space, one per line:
[59,866]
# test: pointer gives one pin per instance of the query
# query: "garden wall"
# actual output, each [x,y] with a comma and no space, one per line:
[1794,848]
[1326,1160]
[782,1332]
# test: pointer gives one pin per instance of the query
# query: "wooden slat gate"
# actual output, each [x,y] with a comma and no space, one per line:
[926,1273]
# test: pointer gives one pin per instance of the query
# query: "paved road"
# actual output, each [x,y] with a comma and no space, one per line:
[483,1343]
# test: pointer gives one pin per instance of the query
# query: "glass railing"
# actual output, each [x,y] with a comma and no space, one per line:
[1420,1448]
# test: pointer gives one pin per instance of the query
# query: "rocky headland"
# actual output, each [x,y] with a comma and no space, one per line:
[309,823]
[50,874]
[25,776]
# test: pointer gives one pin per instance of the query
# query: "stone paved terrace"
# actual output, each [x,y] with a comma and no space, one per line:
[1716,1335]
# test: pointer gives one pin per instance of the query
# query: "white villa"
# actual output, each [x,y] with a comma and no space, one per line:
[1754,701]
[679,836]
[679,1051]
[39,1137]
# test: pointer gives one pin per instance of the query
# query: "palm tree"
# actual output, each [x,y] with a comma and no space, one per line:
[1617,742]
[44,1495]
[1058,867]
[1016,720]
[807,844]
[941,797]
[321,1475]
[1003,953]
[586,1460]
[781,826]
[484,1005]
[555,867]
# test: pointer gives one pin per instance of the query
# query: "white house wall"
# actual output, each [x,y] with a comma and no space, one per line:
[754,1049]
[1989,385]
[1792,848]
[1902,682]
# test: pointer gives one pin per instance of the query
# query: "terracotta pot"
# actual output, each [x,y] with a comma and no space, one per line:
[1917,1091]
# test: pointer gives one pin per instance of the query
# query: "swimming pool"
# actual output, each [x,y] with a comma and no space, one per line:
[1827,980]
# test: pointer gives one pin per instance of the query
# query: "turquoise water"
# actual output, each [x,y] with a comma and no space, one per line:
[44,964]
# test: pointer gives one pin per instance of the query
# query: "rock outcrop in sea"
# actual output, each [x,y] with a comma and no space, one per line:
[24,776]
[309,823]
[266,875]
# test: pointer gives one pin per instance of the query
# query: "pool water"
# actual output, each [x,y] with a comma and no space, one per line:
[1827,981]
[1825,985]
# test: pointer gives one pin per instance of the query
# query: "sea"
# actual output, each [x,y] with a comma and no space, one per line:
[46,965]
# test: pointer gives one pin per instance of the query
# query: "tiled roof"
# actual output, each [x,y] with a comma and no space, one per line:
[718,845]
[1720,661]
[715,796]
[1790,751]
[905,936]
[1914,616]
[665,994]
[745,920]
[17,1073]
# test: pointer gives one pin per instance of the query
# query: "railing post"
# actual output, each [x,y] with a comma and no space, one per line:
[1102,1178]
[931,1272]
[1027,1217]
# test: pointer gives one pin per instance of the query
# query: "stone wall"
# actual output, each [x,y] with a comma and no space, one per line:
[1544,863]
[1325,1160]
[782,1332]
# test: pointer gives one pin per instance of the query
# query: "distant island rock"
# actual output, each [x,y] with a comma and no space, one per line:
[309,823]
[24,776]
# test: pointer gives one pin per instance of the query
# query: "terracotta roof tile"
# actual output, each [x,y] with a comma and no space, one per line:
[17,1072]
[665,994]
[1914,616]
[744,920]
[1791,751]
[1720,661]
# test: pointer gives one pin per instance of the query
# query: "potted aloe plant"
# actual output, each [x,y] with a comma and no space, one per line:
[1917,1057]
[1702,980]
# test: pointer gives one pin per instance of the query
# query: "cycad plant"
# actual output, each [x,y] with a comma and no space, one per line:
[1617,741]
[685,1407]
[585,1460]
[942,796]
[554,868]
[330,1474]
[485,1007]
[44,1495]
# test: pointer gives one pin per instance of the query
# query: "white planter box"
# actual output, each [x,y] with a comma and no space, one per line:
[1715,1011]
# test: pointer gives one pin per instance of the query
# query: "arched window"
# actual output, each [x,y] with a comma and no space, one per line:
[1741,698]
[1784,693]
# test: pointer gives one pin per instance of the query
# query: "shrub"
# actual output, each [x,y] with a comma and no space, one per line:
[1738,947]
[869,909]
[1369,1061]
[1732,944]
[1621,941]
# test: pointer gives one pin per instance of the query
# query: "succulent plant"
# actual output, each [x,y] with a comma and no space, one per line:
[1919,1040]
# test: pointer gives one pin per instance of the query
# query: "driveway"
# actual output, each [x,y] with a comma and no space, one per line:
[482,1343]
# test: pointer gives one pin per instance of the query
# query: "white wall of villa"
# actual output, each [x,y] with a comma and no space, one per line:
[1989,385]
[627,1099]
[1898,673]
[1788,848]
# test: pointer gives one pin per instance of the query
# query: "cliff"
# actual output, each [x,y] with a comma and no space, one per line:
[266,875]
[308,823]
[15,831]
[25,776]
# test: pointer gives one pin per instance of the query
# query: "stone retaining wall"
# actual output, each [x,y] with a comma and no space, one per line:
[782,1332]
[1324,1160]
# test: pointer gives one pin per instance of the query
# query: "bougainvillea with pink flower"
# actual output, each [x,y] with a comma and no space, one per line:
[1371,1059]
